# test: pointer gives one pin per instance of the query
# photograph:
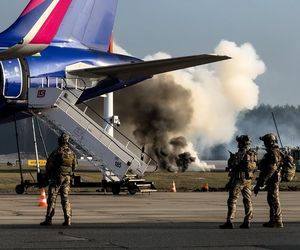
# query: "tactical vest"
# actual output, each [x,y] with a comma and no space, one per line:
[243,165]
[272,157]
[66,159]
[270,166]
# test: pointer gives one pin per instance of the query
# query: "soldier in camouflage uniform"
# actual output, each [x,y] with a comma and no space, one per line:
[241,166]
[270,178]
[59,169]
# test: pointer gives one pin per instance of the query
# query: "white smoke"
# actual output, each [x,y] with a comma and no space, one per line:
[119,50]
[220,91]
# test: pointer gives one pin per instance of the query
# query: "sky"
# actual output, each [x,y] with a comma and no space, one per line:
[182,28]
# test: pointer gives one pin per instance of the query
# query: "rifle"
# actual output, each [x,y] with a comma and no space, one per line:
[277,130]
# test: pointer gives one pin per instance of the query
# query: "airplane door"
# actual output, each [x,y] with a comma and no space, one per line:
[12,78]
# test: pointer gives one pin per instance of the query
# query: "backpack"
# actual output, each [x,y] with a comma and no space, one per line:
[66,158]
[243,163]
[287,167]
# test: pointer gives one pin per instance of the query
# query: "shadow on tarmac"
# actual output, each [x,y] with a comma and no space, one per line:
[148,236]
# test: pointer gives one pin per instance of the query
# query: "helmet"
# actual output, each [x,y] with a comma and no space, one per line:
[269,139]
[63,139]
[243,140]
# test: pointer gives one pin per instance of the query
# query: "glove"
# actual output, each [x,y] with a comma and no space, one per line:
[43,180]
[256,190]
[228,186]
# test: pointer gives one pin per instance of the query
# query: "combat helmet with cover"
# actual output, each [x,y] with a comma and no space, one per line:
[245,160]
[269,140]
[243,140]
[63,139]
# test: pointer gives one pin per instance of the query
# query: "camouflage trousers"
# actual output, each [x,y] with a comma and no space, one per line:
[240,186]
[274,202]
[61,186]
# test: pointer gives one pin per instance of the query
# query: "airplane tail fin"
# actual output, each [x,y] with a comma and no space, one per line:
[38,23]
[88,23]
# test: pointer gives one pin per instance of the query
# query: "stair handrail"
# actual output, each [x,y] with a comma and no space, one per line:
[95,124]
[113,127]
[66,87]
[84,150]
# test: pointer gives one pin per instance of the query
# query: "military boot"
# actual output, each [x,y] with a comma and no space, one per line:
[268,224]
[67,221]
[277,224]
[46,222]
[245,225]
[227,225]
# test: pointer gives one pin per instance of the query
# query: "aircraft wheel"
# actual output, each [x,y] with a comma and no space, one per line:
[132,189]
[20,189]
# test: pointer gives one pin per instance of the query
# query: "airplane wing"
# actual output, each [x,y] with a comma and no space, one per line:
[146,69]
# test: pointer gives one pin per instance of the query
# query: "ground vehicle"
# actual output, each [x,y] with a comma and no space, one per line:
[296,155]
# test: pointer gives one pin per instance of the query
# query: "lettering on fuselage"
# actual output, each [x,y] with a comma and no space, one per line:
[118,163]
[41,93]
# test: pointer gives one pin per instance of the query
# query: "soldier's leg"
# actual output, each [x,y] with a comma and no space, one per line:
[234,193]
[231,205]
[270,199]
[247,201]
[276,203]
[51,200]
[65,203]
[275,208]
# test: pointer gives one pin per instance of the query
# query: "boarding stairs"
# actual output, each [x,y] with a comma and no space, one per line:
[115,156]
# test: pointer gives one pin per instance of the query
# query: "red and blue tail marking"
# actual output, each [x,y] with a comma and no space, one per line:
[75,23]
[53,19]
[37,24]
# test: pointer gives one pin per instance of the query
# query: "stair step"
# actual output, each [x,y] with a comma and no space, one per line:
[148,190]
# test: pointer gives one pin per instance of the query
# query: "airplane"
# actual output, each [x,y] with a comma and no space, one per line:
[50,37]
[54,42]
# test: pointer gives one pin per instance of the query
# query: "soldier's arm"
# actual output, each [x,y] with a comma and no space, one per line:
[268,168]
[49,164]
[231,163]
[266,174]
[75,163]
[270,165]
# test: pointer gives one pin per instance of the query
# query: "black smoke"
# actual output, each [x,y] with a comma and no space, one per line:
[157,111]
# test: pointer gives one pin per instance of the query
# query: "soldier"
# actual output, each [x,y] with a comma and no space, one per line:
[270,178]
[241,166]
[59,169]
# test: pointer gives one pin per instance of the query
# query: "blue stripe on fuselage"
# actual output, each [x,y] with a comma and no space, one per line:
[54,60]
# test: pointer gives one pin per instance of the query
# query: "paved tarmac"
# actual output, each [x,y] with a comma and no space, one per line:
[143,221]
